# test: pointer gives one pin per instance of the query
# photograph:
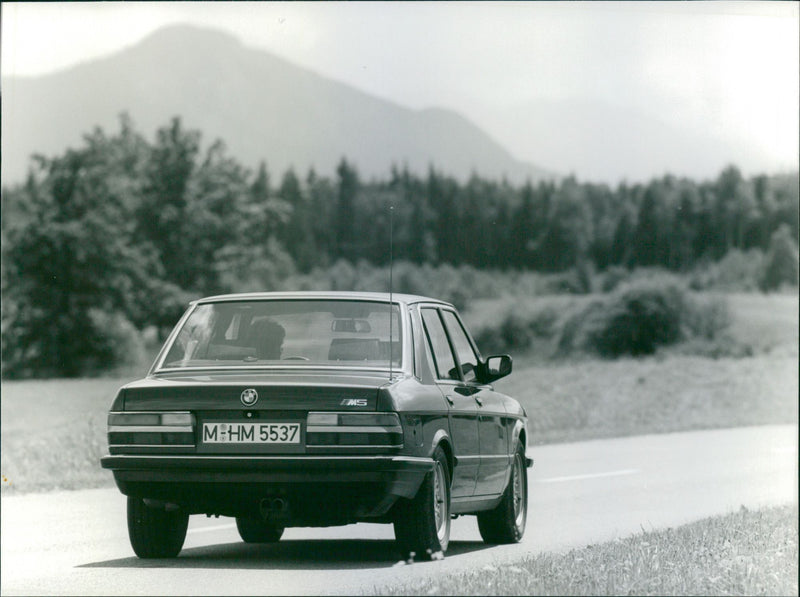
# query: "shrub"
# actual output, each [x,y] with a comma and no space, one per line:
[457,285]
[613,277]
[706,317]
[114,342]
[579,326]
[572,281]
[736,271]
[517,330]
[616,276]
[642,316]
[782,261]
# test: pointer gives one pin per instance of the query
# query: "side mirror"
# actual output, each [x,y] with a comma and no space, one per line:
[495,367]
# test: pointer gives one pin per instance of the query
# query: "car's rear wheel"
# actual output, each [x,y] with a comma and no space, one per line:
[422,525]
[253,530]
[154,532]
[506,523]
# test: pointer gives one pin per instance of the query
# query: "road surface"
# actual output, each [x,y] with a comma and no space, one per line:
[75,542]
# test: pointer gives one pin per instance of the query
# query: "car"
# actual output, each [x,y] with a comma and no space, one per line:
[286,409]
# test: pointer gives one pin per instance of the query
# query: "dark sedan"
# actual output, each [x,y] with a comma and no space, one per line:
[319,409]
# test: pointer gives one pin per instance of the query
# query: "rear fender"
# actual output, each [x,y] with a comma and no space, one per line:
[519,430]
[441,438]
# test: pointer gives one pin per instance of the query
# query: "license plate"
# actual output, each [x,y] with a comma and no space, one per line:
[251,433]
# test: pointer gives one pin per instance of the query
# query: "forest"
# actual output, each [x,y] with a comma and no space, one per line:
[114,237]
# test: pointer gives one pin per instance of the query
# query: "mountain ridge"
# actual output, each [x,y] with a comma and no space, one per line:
[263,107]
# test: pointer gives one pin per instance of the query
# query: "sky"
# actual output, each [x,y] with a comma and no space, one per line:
[728,68]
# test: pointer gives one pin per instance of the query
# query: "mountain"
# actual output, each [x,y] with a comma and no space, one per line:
[261,106]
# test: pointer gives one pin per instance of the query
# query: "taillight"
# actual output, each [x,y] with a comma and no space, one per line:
[380,430]
[166,429]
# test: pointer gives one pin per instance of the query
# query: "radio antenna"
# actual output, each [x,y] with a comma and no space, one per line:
[391,304]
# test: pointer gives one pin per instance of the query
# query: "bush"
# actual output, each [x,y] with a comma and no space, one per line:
[517,330]
[782,261]
[579,326]
[573,281]
[642,316]
[457,285]
[114,342]
[706,317]
[613,277]
[736,271]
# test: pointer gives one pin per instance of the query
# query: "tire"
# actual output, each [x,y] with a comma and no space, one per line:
[422,524]
[155,533]
[253,530]
[506,523]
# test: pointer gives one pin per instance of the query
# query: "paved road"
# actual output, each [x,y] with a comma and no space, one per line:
[76,542]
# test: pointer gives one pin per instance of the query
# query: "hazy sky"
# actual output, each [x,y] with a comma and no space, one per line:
[731,67]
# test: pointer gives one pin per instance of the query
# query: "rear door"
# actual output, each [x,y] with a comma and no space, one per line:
[462,408]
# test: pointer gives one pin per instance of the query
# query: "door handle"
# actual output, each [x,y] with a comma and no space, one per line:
[450,400]
[479,401]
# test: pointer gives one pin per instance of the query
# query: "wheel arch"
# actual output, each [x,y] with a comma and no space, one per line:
[520,434]
[442,439]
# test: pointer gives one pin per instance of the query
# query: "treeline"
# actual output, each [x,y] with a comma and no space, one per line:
[118,234]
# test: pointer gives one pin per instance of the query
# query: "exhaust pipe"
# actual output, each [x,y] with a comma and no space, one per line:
[271,507]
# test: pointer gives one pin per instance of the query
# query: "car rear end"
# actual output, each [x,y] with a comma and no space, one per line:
[306,455]
[305,436]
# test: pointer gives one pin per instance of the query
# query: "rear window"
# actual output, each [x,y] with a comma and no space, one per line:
[287,332]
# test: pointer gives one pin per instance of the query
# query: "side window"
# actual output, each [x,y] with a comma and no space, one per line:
[440,347]
[467,360]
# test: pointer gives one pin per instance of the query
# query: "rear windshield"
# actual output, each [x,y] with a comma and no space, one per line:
[287,332]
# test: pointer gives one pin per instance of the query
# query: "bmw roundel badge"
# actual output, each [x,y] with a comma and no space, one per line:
[249,397]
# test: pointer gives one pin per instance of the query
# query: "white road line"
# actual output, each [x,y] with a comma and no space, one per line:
[219,527]
[627,471]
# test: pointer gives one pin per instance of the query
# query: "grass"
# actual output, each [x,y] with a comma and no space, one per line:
[744,553]
[54,431]
[766,323]
[593,399]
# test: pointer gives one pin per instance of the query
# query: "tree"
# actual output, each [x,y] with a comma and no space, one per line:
[684,230]
[782,261]
[442,195]
[346,223]
[569,229]
[322,203]
[298,233]
[163,215]
[735,207]
[414,239]
[72,276]
[216,224]
[651,239]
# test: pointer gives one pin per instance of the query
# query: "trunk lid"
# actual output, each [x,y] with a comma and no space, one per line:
[254,413]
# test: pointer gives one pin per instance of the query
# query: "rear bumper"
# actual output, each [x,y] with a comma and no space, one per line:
[212,483]
[295,468]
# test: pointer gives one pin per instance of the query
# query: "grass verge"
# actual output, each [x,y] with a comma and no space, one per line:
[54,433]
[592,399]
[744,553]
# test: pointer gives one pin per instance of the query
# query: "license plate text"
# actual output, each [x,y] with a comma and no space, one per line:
[251,433]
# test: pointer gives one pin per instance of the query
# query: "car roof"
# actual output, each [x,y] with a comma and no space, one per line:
[322,295]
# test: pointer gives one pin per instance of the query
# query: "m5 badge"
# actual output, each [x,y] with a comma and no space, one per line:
[353,402]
